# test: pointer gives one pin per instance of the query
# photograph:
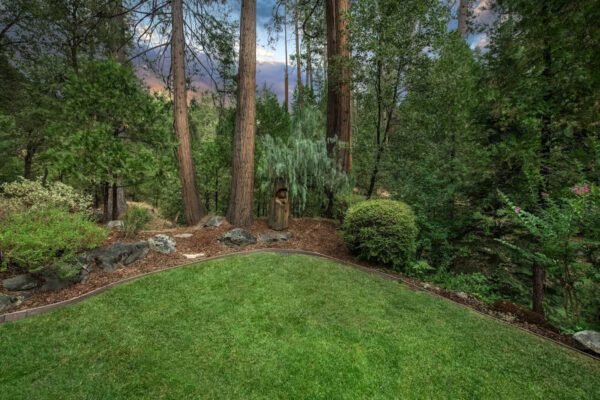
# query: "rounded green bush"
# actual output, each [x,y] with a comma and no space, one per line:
[384,231]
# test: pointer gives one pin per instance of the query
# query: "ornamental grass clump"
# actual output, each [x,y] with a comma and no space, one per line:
[136,219]
[384,231]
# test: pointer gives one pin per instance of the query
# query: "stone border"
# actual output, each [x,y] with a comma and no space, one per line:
[18,315]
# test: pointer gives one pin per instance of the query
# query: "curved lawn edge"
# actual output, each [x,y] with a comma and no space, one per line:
[22,314]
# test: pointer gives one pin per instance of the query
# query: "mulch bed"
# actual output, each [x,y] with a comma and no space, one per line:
[315,235]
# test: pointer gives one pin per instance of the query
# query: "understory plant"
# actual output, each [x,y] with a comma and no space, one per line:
[47,240]
[26,194]
[135,220]
[555,237]
[383,231]
[301,159]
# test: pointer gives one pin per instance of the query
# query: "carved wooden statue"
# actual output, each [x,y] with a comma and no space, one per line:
[280,206]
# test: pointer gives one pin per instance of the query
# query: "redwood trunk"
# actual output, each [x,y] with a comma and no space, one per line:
[331,129]
[191,203]
[344,123]
[242,182]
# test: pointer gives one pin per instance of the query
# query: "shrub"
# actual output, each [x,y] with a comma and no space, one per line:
[135,220]
[342,202]
[382,230]
[24,194]
[475,284]
[47,240]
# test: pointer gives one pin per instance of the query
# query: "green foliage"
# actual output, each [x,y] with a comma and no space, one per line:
[384,231]
[301,159]
[554,241]
[47,240]
[419,269]
[475,284]
[212,138]
[342,202]
[103,138]
[135,220]
[24,194]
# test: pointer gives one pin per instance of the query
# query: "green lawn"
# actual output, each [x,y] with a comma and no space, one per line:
[273,326]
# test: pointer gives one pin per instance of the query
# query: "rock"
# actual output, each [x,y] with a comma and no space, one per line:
[463,295]
[20,282]
[184,235]
[116,224]
[81,266]
[6,302]
[237,237]
[193,256]
[274,236]
[589,339]
[163,244]
[214,221]
[117,255]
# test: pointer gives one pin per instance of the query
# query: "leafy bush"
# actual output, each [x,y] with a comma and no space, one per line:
[44,240]
[135,220]
[382,230]
[419,269]
[24,194]
[475,284]
[555,238]
[342,202]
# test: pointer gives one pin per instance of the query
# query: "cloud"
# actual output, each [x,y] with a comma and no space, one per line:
[264,55]
[483,13]
[481,42]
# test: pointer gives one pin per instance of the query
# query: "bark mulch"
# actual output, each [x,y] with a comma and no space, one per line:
[314,235]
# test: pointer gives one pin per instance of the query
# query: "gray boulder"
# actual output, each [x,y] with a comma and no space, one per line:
[163,244]
[112,257]
[238,237]
[214,221]
[589,339]
[116,224]
[77,270]
[6,302]
[20,282]
[274,236]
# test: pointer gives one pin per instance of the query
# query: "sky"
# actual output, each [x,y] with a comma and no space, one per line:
[270,57]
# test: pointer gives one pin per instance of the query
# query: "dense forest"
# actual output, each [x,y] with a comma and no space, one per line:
[481,116]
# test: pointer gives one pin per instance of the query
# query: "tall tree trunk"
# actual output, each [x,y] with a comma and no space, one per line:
[463,17]
[344,123]
[28,163]
[309,68]
[298,57]
[242,182]
[537,294]
[119,52]
[286,73]
[191,203]
[331,127]
[105,195]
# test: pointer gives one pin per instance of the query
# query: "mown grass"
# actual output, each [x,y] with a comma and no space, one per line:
[272,326]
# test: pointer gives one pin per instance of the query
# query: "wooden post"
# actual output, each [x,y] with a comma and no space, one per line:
[280,206]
